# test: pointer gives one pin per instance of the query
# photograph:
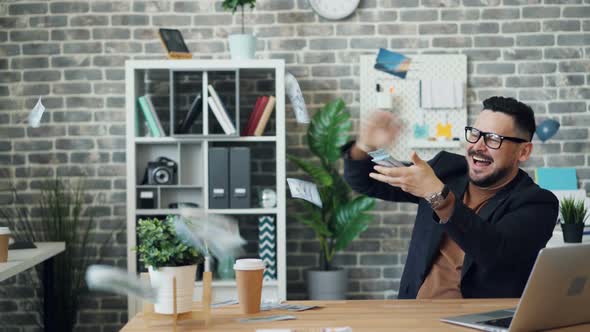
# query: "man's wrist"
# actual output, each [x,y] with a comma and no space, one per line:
[437,198]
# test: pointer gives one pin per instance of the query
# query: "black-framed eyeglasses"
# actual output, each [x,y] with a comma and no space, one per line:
[492,140]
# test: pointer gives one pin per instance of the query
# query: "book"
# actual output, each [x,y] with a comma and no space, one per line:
[268,109]
[155,115]
[195,109]
[559,178]
[257,113]
[246,128]
[218,114]
[174,44]
[145,109]
[222,109]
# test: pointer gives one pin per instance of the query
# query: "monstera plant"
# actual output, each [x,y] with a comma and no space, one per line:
[342,216]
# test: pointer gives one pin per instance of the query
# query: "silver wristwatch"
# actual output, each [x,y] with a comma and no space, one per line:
[436,199]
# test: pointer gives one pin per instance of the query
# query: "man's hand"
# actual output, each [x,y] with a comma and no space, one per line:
[378,130]
[418,179]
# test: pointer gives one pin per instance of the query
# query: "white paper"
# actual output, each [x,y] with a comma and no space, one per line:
[296,97]
[441,94]
[36,114]
[305,190]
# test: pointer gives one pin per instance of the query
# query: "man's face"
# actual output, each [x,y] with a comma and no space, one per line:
[491,167]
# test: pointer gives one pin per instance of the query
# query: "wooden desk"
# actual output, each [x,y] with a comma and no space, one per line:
[23,259]
[376,315]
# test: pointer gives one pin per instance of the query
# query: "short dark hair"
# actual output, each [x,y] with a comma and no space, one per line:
[523,115]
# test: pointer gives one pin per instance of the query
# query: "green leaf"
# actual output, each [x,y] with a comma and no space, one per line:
[234,4]
[351,219]
[318,173]
[328,131]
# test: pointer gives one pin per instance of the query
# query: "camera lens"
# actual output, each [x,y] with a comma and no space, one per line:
[162,175]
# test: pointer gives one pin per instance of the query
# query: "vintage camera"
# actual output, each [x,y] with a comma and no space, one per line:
[161,171]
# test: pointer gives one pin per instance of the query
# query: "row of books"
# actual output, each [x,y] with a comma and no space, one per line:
[259,116]
[257,121]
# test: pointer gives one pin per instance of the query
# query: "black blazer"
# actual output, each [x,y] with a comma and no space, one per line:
[500,243]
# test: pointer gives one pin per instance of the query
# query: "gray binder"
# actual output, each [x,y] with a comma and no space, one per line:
[218,178]
[239,177]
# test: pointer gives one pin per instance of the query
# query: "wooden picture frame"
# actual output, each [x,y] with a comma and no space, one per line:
[174,44]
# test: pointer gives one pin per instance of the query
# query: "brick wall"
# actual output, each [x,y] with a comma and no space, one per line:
[72,53]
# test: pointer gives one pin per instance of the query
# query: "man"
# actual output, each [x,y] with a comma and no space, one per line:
[481,220]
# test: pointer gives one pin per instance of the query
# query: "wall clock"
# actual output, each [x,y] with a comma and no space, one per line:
[334,9]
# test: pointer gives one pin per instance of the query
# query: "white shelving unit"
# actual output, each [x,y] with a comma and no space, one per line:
[190,151]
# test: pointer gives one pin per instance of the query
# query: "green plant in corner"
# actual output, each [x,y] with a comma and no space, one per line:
[159,246]
[63,218]
[573,211]
[234,4]
[342,217]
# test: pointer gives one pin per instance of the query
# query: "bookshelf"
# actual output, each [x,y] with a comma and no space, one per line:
[172,86]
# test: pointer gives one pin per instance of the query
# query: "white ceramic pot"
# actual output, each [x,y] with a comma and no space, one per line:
[242,46]
[185,287]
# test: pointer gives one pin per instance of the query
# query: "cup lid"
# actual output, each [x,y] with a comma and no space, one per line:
[249,264]
[4,230]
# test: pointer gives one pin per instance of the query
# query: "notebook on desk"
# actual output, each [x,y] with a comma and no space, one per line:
[557,294]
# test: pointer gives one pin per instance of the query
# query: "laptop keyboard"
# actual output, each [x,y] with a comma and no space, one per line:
[500,322]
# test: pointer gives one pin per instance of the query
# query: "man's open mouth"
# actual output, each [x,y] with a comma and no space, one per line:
[479,161]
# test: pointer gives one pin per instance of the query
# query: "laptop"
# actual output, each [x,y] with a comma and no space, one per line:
[557,294]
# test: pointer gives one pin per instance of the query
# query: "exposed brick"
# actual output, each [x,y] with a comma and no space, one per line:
[70,34]
[495,68]
[500,13]
[493,41]
[540,12]
[520,27]
[536,68]
[535,40]
[418,15]
[567,107]
[27,9]
[581,12]
[477,28]
[459,14]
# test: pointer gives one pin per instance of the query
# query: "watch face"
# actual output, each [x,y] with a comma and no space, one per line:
[268,198]
[334,9]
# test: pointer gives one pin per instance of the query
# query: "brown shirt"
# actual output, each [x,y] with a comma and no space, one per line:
[444,279]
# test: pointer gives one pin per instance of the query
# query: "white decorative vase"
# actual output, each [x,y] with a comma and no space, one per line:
[242,46]
[185,287]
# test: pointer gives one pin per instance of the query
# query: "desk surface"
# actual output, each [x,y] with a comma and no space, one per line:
[374,315]
[22,259]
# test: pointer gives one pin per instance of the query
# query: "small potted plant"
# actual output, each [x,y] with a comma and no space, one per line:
[342,216]
[241,46]
[166,257]
[573,215]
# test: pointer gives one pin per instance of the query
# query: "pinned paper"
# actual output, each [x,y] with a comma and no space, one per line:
[392,63]
[296,97]
[36,114]
[118,281]
[305,190]
[444,130]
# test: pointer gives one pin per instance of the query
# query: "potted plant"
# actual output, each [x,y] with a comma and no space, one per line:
[342,217]
[573,215]
[241,46]
[166,257]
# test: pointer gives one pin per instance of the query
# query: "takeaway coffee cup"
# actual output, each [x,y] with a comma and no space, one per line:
[4,238]
[249,273]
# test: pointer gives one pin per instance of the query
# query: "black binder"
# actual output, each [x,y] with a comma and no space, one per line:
[239,177]
[218,178]
[185,125]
